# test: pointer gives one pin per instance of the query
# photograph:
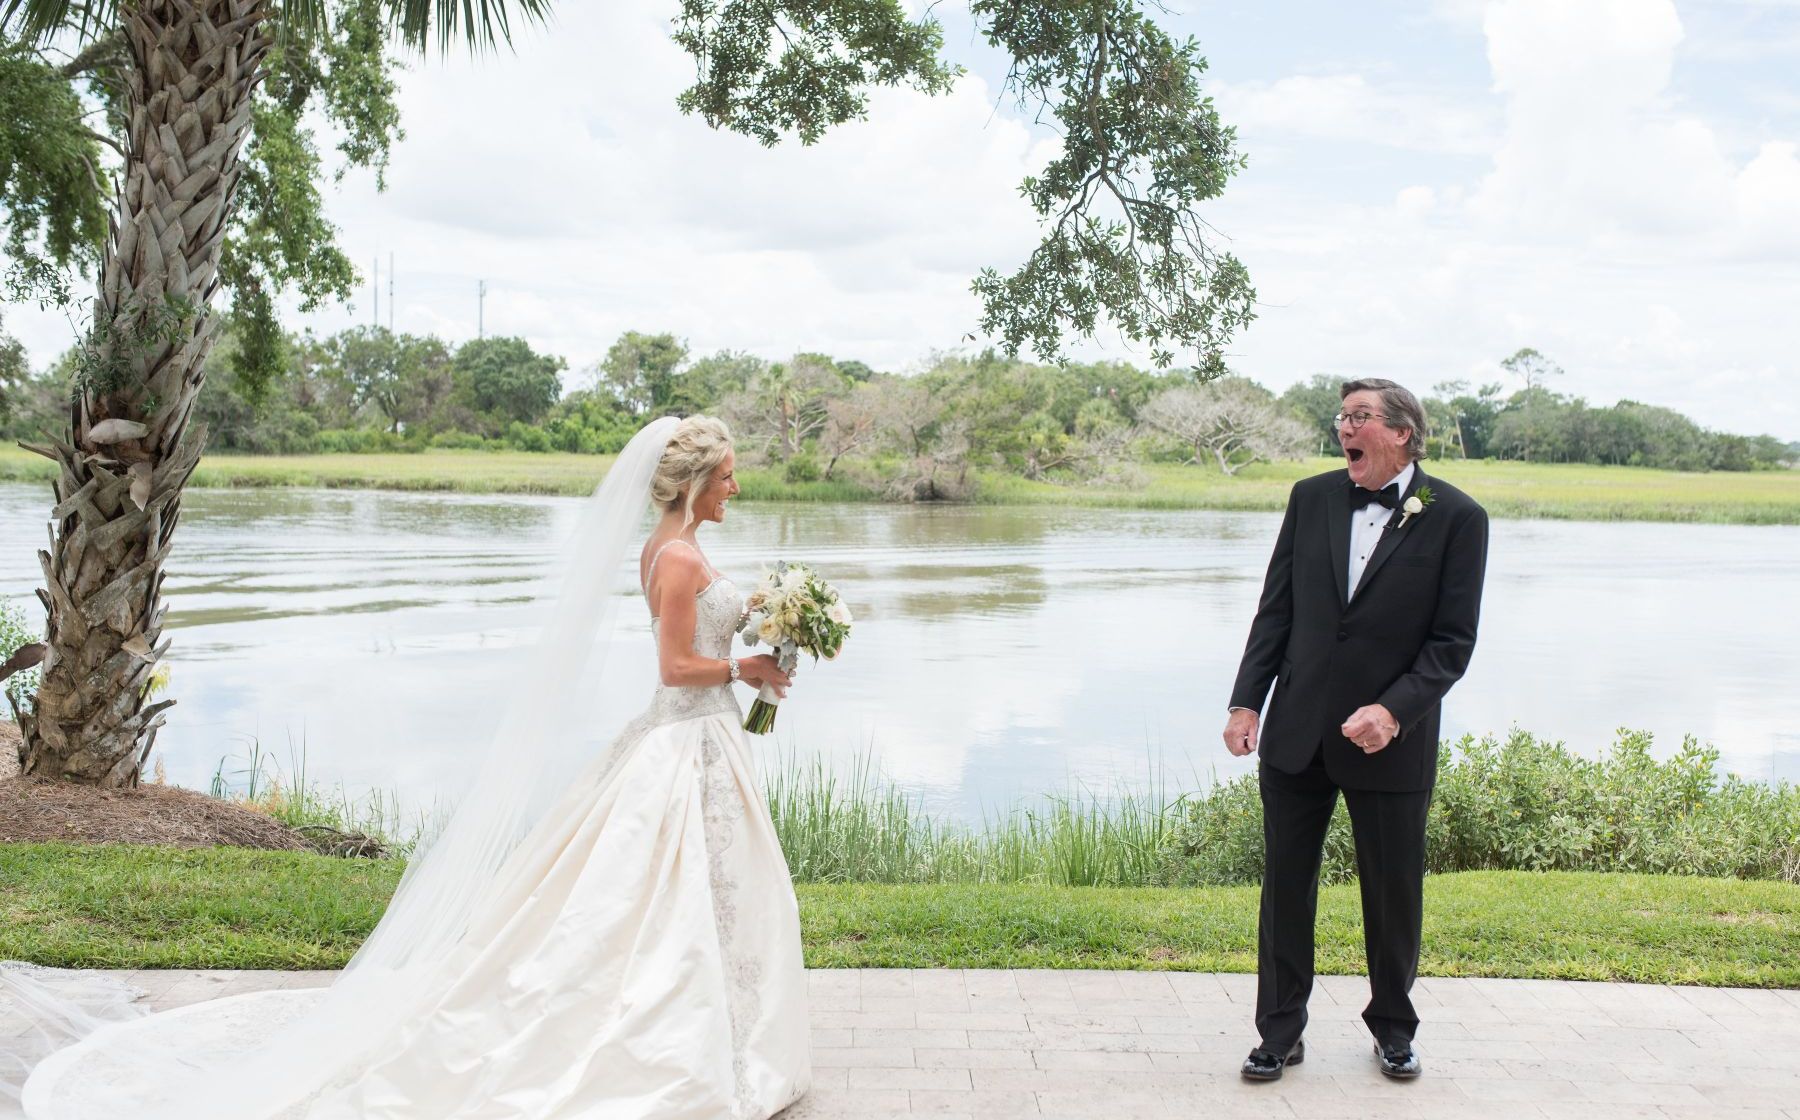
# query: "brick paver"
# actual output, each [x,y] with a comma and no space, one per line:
[948,1043]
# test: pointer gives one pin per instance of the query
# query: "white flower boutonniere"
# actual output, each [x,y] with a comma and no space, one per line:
[1414,505]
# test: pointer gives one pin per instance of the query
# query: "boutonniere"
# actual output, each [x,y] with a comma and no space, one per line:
[1415,504]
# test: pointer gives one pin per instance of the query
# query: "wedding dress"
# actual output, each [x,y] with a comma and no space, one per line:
[636,956]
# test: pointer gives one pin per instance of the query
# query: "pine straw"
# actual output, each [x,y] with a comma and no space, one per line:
[166,816]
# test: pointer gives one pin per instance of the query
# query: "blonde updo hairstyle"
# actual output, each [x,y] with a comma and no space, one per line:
[695,450]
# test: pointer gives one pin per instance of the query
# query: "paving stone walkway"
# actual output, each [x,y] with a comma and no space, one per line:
[947,1043]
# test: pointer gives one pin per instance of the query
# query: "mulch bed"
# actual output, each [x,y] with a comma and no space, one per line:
[34,811]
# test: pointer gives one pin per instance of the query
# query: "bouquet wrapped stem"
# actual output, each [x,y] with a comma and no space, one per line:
[795,612]
[761,719]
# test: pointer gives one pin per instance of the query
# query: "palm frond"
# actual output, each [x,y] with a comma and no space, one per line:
[313,15]
[479,24]
[38,21]
[476,23]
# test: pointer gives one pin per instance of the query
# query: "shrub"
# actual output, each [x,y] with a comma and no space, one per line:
[1533,805]
[361,441]
[459,441]
[803,467]
[15,632]
[526,437]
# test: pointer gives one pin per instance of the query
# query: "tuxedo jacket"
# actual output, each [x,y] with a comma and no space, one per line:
[1401,641]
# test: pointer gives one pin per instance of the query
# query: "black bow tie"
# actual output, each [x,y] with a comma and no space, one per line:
[1388,496]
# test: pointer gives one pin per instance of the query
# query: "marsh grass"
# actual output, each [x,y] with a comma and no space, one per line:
[1559,491]
[330,817]
[854,826]
[1552,491]
[1520,804]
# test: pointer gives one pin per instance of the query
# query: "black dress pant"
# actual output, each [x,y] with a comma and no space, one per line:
[1390,863]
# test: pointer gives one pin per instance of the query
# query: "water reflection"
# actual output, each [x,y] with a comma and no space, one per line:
[1000,652]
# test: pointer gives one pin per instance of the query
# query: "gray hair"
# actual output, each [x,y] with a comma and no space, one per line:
[1401,408]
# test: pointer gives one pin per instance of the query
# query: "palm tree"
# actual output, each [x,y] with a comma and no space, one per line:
[190,68]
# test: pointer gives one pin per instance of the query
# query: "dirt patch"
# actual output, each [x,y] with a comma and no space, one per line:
[37,812]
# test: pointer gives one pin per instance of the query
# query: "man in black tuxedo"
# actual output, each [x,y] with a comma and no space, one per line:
[1367,618]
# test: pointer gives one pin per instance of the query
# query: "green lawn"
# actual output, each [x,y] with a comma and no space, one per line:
[1571,492]
[228,908]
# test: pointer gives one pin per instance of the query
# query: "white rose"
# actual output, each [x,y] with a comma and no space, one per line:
[769,631]
[1413,505]
[839,613]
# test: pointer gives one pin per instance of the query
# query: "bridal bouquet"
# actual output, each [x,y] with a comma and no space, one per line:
[794,612]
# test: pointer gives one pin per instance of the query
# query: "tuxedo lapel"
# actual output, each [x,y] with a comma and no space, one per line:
[1393,536]
[1337,519]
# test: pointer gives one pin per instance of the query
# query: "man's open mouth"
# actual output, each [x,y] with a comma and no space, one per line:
[1355,454]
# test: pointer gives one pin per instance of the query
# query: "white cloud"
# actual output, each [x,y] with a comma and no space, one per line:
[594,207]
[1345,107]
[1768,198]
[1595,146]
[1613,230]
[1415,202]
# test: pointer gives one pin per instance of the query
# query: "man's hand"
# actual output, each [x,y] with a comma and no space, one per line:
[1371,727]
[1240,731]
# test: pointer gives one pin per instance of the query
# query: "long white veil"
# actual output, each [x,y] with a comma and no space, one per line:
[252,1057]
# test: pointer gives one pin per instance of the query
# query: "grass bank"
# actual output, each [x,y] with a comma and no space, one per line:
[126,907]
[1513,490]
[1553,491]
[463,472]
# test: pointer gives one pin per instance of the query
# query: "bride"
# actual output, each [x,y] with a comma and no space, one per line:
[592,938]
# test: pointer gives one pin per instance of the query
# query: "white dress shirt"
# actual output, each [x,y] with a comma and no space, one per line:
[1365,528]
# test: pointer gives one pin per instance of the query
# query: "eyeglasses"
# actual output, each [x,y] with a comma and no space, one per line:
[1357,419]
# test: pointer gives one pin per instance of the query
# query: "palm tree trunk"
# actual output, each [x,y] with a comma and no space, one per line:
[124,459]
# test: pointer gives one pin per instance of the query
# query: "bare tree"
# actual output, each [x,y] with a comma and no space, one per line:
[1233,421]
[1449,392]
[1535,370]
[1532,368]
[786,405]
[940,470]
[852,424]
[908,410]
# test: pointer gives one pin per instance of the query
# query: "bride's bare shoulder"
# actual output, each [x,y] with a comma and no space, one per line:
[672,561]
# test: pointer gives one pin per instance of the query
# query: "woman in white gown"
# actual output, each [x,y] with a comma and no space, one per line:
[631,951]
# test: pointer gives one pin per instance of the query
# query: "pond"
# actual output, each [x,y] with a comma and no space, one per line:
[999,652]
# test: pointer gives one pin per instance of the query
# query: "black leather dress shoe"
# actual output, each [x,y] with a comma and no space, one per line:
[1398,1060]
[1266,1065]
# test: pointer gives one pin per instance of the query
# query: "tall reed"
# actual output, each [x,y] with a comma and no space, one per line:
[858,827]
[373,823]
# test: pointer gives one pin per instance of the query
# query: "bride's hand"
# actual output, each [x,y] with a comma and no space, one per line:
[762,669]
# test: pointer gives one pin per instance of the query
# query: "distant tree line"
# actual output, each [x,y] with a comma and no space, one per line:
[815,417]
[1535,423]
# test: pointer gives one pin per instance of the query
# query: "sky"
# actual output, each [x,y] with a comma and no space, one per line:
[1431,186]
